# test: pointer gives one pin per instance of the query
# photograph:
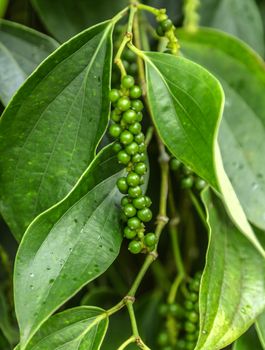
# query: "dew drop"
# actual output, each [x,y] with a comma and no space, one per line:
[31,286]
[243,310]
[204,332]
[51,280]
[48,268]
[111,250]
[254,186]
[31,274]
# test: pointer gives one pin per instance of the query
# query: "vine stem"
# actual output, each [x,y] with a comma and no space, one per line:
[126,343]
[126,39]
[198,208]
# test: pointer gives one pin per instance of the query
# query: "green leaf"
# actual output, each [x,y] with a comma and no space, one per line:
[248,341]
[242,132]
[233,285]
[80,328]
[22,49]
[260,326]
[69,245]
[52,127]
[186,103]
[240,18]
[74,16]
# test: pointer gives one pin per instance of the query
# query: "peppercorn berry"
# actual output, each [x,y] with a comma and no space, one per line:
[134,223]
[129,116]
[114,95]
[133,179]
[140,168]
[126,137]
[132,148]
[166,25]
[128,233]
[144,214]
[129,210]
[150,239]
[135,91]
[127,81]
[135,192]
[135,247]
[135,129]
[137,105]
[123,157]
[123,103]
[139,202]
[115,130]
[122,185]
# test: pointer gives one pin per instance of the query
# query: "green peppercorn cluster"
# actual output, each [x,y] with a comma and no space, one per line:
[126,128]
[188,178]
[165,28]
[186,320]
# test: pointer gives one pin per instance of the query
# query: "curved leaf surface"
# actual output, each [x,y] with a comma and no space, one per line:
[22,49]
[186,103]
[240,18]
[74,16]
[242,132]
[233,283]
[80,328]
[51,128]
[69,245]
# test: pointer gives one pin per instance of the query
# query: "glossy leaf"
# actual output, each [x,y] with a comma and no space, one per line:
[260,326]
[233,283]
[186,103]
[240,18]
[74,16]
[50,130]
[68,245]
[248,341]
[81,328]
[22,49]
[242,132]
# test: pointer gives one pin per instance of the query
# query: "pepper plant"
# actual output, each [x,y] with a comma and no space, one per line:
[132,176]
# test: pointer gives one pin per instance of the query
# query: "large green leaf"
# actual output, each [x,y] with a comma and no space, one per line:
[242,132]
[69,245]
[186,103]
[248,341]
[260,325]
[81,328]
[22,49]
[233,283]
[64,21]
[51,128]
[237,17]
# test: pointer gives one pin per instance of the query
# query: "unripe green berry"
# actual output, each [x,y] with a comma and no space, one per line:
[123,157]
[159,30]
[135,91]
[140,168]
[188,305]
[166,25]
[125,200]
[129,210]
[181,344]
[191,336]
[176,310]
[190,327]
[200,184]
[129,55]
[163,309]
[192,316]
[128,233]
[137,105]
[127,81]
[133,68]
[115,116]
[150,239]
[132,148]
[115,130]
[135,192]
[134,223]
[126,137]
[130,116]
[148,201]
[190,345]
[139,116]
[136,158]
[162,339]
[142,147]
[114,95]
[192,297]
[135,247]
[117,147]
[139,138]
[174,164]
[122,185]
[135,128]
[133,179]
[187,182]
[143,157]
[123,103]
[144,214]
[195,285]
[139,203]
